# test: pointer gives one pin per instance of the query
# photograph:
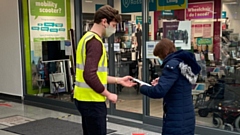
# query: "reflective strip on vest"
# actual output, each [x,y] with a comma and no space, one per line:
[100,69]
[84,85]
[82,91]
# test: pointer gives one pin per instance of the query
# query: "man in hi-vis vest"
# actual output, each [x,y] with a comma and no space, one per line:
[90,91]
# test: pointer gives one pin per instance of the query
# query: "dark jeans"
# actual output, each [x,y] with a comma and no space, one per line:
[139,49]
[93,117]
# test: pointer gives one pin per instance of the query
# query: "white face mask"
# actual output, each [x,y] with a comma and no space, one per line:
[109,31]
[160,61]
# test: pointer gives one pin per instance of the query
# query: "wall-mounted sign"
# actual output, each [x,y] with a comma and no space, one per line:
[167,12]
[129,6]
[171,4]
[97,6]
[47,20]
[150,45]
[224,14]
[139,19]
[203,10]
[204,41]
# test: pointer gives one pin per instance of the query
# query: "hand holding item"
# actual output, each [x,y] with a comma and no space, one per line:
[112,97]
[155,82]
[126,81]
[140,82]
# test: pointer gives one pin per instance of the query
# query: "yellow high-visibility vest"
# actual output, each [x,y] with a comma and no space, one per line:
[82,92]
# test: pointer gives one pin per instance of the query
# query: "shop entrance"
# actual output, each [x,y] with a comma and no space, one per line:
[128,55]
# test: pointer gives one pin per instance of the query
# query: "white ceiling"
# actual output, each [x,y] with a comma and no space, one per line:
[230,1]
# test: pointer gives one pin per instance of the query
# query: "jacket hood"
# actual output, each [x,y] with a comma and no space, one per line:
[188,64]
[185,57]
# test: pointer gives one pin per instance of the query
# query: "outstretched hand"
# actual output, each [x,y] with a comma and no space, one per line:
[126,81]
[155,82]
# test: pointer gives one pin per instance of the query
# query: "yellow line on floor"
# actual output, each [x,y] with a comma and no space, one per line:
[66,116]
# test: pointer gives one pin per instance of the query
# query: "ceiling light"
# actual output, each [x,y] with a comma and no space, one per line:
[88,1]
[230,3]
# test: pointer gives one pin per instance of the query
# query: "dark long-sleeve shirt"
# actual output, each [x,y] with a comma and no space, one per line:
[93,55]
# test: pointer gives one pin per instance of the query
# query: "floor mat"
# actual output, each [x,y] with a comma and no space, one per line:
[49,126]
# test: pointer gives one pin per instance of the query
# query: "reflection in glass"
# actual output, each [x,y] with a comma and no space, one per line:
[156,108]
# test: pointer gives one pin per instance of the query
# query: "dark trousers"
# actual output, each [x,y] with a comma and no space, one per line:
[93,117]
[139,49]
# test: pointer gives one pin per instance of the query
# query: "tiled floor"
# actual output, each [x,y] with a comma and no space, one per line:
[37,113]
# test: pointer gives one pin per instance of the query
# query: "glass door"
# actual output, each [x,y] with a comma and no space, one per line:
[123,61]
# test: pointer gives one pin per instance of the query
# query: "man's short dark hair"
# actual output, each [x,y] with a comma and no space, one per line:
[107,12]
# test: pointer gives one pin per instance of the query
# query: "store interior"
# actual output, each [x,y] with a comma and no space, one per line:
[218,54]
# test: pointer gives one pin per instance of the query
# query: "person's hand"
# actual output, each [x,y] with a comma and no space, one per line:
[112,97]
[126,81]
[155,82]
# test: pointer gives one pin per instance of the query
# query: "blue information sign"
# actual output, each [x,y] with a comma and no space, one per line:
[97,6]
[168,12]
[129,6]
[224,14]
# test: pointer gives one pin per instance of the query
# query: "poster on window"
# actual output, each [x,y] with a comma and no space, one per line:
[207,30]
[201,10]
[198,30]
[47,22]
[150,45]
[179,33]
[202,29]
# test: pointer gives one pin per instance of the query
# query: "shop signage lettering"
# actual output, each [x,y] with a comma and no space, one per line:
[134,2]
[171,26]
[139,19]
[199,11]
[168,12]
[129,6]
[47,8]
[171,4]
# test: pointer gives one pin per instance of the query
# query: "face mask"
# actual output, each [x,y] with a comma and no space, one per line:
[109,31]
[160,61]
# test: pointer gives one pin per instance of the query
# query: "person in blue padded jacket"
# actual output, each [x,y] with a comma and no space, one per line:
[180,71]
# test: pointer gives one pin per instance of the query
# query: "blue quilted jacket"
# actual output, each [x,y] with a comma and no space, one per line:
[180,71]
